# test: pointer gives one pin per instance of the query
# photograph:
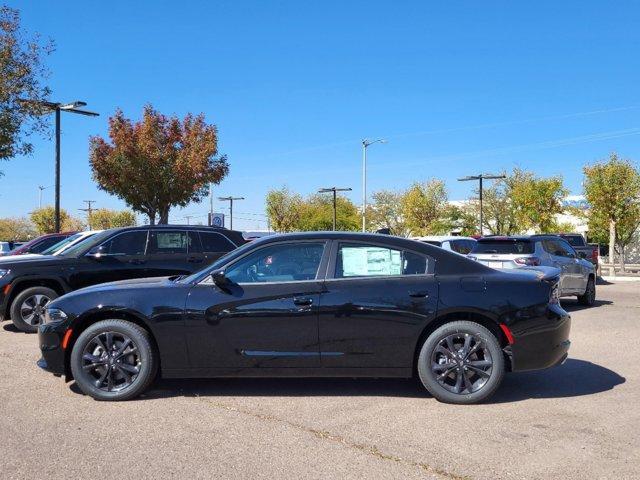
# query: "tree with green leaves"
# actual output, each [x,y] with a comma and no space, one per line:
[537,201]
[159,162]
[424,207]
[22,77]
[15,229]
[43,220]
[283,209]
[612,189]
[316,214]
[103,218]
[385,211]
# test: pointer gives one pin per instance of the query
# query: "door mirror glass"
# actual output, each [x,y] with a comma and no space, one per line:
[219,278]
[96,252]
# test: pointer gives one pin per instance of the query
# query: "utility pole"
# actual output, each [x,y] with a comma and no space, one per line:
[210,203]
[334,190]
[56,107]
[230,200]
[365,144]
[89,210]
[188,218]
[480,178]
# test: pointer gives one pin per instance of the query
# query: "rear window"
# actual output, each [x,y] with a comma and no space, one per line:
[503,246]
[574,240]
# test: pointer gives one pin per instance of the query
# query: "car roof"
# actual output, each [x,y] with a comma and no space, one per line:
[441,238]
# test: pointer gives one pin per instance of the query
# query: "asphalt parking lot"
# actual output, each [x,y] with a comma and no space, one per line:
[580,420]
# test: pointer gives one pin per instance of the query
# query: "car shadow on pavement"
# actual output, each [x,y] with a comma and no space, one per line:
[574,378]
[574,306]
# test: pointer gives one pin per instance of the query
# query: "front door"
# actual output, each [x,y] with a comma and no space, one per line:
[375,305]
[266,316]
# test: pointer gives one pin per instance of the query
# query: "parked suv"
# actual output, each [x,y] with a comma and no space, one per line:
[461,245]
[28,285]
[577,276]
[40,244]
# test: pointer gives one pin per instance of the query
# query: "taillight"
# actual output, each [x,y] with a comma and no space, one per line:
[528,261]
[594,255]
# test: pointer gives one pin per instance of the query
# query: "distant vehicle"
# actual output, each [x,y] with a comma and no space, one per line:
[40,244]
[330,304]
[57,248]
[577,278]
[590,251]
[27,286]
[462,245]
[5,248]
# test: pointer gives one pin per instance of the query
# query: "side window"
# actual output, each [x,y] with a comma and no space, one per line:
[213,242]
[567,250]
[129,243]
[278,263]
[356,260]
[168,242]
[461,246]
[44,244]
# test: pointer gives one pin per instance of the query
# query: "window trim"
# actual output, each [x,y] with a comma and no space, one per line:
[320,274]
[331,270]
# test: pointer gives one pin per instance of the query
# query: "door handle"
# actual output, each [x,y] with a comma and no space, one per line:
[194,260]
[303,301]
[419,294]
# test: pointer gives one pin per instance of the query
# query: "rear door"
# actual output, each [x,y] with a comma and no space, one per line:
[376,301]
[562,259]
[214,245]
[167,253]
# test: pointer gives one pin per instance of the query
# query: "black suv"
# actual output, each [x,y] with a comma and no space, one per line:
[28,285]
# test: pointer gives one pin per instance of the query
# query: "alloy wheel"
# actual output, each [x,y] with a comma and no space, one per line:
[33,308]
[112,361]
[461,363]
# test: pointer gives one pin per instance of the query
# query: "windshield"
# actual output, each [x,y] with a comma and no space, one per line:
[57,246]
[87,244]
[507,246]
[218,263]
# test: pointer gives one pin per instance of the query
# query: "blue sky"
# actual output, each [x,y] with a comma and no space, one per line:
[457,87]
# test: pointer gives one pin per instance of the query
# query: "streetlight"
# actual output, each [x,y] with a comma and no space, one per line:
[41,188]
[480,178]
[334,190]
[365,144]
[56,107]
[230,200]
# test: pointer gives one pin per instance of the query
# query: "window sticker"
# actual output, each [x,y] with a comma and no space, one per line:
[171,240]
[370,261]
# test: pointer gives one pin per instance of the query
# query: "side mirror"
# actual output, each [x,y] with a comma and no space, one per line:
[582,254]
[219,278]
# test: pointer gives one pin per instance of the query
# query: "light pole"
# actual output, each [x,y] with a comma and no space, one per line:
[89,211]
[40,189]
[230,200]
[480,178]
[56,107]
[365,144]
[334,190]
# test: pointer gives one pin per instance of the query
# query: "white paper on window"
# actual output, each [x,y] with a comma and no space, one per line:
[370,261]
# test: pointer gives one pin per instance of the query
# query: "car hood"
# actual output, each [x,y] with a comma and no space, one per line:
[28,261]
[127,284]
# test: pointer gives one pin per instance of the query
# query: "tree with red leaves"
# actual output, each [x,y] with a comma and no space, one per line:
[158,162]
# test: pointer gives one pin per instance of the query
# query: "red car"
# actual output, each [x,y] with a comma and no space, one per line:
[40,244]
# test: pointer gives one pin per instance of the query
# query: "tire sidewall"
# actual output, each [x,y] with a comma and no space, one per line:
[145,349]
[431,384]
[16,315]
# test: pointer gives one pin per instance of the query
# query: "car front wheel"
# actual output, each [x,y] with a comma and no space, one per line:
[113,360]
[27,309]
[589,296]
[461,362]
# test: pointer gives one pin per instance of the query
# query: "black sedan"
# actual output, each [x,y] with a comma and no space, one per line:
[313,304]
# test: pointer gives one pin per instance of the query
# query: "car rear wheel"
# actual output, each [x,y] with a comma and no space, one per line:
[589,296]
[114,360]
[461,362]
[27,309]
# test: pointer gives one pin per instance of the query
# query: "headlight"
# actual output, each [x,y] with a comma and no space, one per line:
[3,272]
[54,315]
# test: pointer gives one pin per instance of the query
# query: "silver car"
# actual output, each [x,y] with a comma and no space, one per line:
[577,275]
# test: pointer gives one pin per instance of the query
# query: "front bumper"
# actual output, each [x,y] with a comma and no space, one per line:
[50,341]
[541,342]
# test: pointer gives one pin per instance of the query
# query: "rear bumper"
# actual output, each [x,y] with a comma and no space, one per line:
[50,341]
[543,342]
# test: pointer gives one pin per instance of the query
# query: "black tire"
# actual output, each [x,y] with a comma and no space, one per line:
[32,300]
[101,374]
[441,378]
[588,298]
